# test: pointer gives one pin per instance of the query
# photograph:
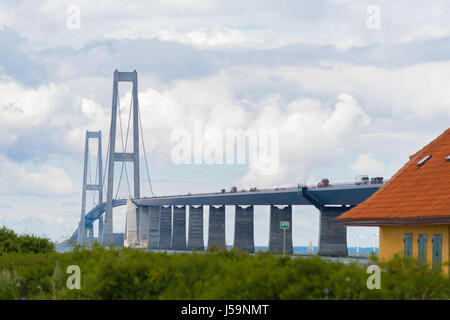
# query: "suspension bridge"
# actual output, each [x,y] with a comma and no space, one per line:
[161,220]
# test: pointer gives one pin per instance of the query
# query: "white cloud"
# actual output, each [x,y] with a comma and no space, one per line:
[417,90]
[366,164]
[338,23]
[22,107]
[345,112]
[215,37]
[48,181]
[179,106]
[313,132]
[308,128]
[308,131]
[58,115]
[327,111]
[39,215]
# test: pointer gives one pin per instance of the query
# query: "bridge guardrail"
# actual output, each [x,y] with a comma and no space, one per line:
[332,185]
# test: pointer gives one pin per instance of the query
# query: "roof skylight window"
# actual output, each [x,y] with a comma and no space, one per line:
[448,158]
[424,159]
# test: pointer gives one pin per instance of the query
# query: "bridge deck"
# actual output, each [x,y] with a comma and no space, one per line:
[344,194]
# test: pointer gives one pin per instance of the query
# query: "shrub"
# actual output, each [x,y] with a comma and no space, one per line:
[119,273]
[9,285]
[10,242]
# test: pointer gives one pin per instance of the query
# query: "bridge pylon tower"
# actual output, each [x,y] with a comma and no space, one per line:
[114,156]
[82,238]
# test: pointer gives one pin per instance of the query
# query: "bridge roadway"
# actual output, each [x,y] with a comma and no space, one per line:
[167,230]
[342,194]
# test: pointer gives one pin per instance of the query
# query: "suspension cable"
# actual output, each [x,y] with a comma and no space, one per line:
[106,165]
[145,153]
[123,163]
[96,181]
[121,170]
[126,141]
[89,170]
[124,147]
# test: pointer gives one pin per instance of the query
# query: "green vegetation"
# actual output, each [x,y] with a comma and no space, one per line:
[10,242]
[111,273]
[31,268]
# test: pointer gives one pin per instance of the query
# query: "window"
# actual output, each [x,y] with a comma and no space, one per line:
[448,158]
[407,245]
[437,251]
[422,248]
[421,162]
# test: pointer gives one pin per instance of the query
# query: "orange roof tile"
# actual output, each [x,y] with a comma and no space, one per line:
[414,195]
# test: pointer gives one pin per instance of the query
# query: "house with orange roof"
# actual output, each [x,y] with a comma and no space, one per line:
[413,208]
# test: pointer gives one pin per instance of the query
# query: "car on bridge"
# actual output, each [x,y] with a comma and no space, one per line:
[376,180]
[361,179]
[324,183]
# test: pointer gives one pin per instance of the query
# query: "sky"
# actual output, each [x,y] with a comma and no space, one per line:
[350,87]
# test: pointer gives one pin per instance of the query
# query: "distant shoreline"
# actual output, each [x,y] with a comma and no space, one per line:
[301,250]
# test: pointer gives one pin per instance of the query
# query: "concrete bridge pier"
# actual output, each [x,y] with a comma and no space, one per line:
[100,228]
[144,218]
[195,236]
[278,237]
[332,234]
[165,227]
[179,228]
[154,227]
[90,232]
[243,229]
[216,229]
[138,222]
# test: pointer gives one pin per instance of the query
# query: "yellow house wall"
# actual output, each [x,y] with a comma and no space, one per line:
[391,240]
